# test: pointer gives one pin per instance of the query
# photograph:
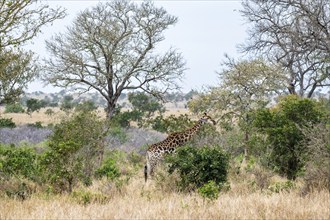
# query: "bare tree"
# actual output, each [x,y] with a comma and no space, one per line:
[294,33]
[20,21]
[111,48]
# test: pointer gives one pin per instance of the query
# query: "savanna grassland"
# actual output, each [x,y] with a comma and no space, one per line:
[137,201]
[255,193]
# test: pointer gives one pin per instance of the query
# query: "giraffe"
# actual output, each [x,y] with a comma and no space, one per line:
[156,151]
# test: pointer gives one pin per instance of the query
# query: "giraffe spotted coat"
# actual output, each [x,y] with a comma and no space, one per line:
[156,152]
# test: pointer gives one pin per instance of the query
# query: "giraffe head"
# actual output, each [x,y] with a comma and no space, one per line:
[206,118]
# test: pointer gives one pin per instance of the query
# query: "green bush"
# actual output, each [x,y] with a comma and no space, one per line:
[86,197]
[108,169]
[198,166]
[19,162]
[281,186]
[283,127]
[14,108]
[37,124]
[74,151]
[209,190]
[7,123]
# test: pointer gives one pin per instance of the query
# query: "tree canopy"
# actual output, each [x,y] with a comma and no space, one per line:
[295,34]
[110,48]
[20,21]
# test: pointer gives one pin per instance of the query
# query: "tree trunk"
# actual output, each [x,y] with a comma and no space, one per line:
[245,156]
[110,110]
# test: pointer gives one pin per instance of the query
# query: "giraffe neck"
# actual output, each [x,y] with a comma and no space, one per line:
[189,133]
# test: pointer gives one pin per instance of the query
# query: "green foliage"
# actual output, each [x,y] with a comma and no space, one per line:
[281,186]
[86,197]
[282,126]
[7,123]
[19,162]
[143,108]
[37,124]
[74,150]
[34,105]
[49,112]
[172,123]
[86,106]
[145,104]
[67,103]
[14,108]
[108,169]
[123,119]
[209,190]
[198,166]
[119,133]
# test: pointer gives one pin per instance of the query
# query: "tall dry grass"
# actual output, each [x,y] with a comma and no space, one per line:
[139,201]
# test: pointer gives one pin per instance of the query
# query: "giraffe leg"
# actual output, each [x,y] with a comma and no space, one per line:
[149,168]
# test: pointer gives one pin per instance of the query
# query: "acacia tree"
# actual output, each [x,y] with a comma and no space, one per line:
[295,34]
[20,21]
[110,48]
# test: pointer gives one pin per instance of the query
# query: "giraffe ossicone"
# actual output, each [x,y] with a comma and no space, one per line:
[156,152]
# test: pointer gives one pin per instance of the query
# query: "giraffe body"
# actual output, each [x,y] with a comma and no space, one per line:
[156,152]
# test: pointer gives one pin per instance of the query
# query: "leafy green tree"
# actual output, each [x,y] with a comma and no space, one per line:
[145,104]
[283,127]
[76,149]
[110,48]
[34,105]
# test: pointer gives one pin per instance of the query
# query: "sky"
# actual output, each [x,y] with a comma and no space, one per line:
[206,30]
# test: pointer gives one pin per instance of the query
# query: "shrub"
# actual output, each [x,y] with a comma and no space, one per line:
[108,169]
[281,186]
[198,166]
[37,124]
[86,197]
[75,150]
[19,162]
[209,190]
[49,112]
[14,108]
[7,123]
